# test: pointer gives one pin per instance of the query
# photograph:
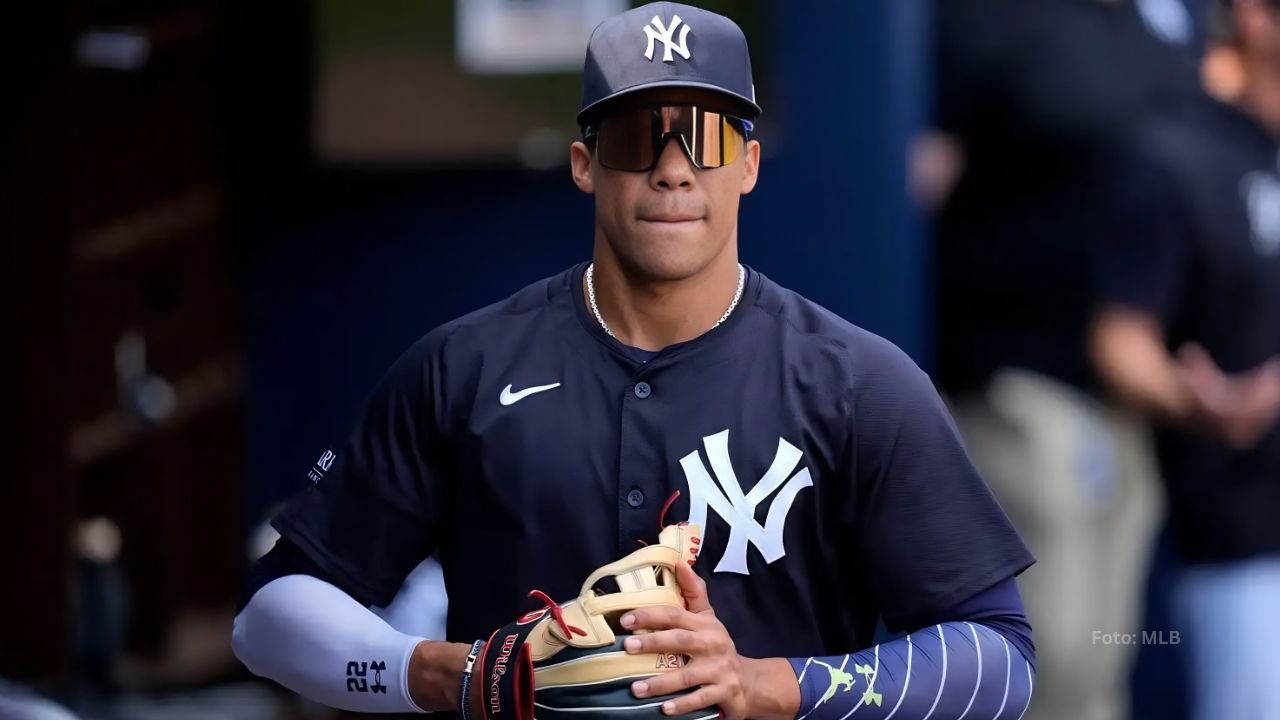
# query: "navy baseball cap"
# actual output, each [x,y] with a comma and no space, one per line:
[666,44]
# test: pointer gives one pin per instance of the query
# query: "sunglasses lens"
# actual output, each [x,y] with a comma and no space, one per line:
[626,141]
[631,140]
[716,141]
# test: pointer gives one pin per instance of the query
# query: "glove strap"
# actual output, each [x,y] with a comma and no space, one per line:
[507,673]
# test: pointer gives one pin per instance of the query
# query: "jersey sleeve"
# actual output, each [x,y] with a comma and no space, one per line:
[374,515]
[928,529]
[1142,259]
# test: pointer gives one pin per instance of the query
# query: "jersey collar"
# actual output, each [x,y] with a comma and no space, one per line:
[585,324]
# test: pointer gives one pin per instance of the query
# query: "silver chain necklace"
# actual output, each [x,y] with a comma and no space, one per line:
[595,309]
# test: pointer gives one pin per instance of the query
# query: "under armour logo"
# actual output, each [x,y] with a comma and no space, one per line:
[738,508]
[870,695]
[358,673]
[655,31]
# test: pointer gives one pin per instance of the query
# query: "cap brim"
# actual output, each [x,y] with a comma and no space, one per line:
[747,103]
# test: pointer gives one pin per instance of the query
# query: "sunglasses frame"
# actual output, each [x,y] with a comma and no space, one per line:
[591,134]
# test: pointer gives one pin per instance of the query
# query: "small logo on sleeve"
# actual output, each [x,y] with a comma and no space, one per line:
[358,677]
[841,681]
[316,473]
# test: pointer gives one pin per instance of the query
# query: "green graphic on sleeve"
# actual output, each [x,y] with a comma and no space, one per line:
[870,695]
[839,678]
[841,681]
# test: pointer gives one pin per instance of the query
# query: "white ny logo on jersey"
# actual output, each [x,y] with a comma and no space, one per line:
[738,508]
[656,31]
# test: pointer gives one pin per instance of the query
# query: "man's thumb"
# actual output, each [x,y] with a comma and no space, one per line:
[693,589]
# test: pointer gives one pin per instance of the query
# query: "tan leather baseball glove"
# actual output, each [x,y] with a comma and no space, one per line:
[567,662]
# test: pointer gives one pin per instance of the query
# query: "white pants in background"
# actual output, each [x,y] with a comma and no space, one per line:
[1229,619]
[1078,479]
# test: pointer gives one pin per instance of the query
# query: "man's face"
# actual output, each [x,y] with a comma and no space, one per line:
[670,222]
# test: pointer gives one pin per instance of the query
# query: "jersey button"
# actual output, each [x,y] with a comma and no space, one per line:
[642,390]
[635,498]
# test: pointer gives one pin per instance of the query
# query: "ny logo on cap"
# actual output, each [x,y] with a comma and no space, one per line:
[655,31]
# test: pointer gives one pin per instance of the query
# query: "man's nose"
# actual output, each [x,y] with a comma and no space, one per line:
[674,168]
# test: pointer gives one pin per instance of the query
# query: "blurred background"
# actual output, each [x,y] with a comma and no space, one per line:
[224,220]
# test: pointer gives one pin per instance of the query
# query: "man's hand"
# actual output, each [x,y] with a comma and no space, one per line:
[741,687]
[715,669]
[1239,409]
[1128,349]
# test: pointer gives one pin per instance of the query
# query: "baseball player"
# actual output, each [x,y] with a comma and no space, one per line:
[543,436]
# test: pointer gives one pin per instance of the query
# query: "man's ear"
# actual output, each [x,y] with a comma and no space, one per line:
[580,166]
[751,161]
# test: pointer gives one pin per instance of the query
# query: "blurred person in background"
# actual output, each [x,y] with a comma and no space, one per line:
[1035,100]
[1189,334]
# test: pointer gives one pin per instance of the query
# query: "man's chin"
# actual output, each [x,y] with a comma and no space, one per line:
[666,269]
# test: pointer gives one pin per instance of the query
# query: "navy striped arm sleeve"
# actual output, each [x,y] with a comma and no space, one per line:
[947,671]
[973,661]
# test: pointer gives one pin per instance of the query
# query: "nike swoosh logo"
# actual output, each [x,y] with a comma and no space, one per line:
[511,398]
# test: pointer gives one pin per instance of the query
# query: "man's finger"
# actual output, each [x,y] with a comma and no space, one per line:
[692,675]
[1194,355]
[658,617]
[705,697]
[693,588]
[677,641]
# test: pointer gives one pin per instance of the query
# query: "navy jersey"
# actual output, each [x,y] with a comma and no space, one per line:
[1196,243]
[526,447]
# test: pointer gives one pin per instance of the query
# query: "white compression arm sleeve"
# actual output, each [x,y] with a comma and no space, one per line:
[316,640]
